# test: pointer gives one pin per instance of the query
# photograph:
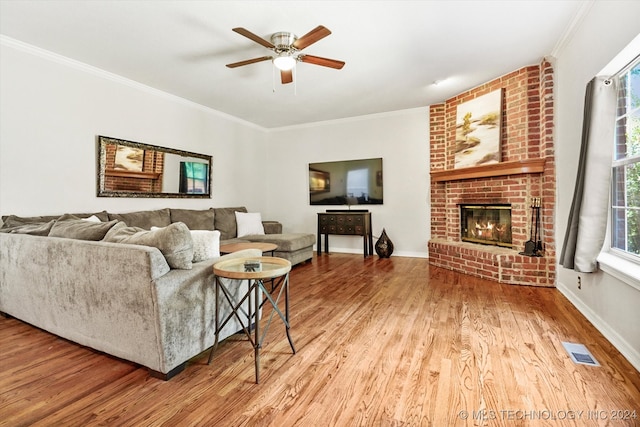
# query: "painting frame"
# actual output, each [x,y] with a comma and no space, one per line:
[478,131]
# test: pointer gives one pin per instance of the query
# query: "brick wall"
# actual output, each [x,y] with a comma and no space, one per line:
[527,133]
[150,181]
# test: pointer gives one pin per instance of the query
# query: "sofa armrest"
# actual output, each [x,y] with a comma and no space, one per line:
[272,227]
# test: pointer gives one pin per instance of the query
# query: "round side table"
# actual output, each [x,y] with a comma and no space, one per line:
[272,269]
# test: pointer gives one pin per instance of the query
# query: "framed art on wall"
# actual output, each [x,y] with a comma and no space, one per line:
[479,130]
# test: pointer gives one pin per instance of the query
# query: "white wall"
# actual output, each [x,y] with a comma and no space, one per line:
[610,304]
[400,138]
[51,110]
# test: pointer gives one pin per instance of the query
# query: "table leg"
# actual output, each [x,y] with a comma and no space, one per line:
[366,245]
[257,343]
[326,243]
[286,308]
[217,320]
[370,243]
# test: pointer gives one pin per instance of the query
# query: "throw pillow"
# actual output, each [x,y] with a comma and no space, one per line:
[249,223]
[81,229]
[206,244]
[13,220]
[92,218]
[34,228]
[174,241]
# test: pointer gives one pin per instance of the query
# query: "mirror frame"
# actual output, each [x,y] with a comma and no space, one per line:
[103,141]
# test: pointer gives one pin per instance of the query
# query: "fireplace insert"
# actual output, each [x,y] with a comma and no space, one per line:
[486,224]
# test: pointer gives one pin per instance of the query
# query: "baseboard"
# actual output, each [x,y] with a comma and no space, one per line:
[609,333]
[406,254]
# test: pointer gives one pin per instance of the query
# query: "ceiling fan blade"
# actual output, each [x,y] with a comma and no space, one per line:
[248,34]
[325,62]
[286,76]
[249,61]
[311,37]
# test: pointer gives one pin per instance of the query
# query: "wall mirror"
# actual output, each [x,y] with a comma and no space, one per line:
[133,169]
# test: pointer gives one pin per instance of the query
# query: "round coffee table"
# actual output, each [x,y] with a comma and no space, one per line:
[272,269]
[235,247]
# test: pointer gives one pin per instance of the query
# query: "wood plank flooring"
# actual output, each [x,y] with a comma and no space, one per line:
[381,342]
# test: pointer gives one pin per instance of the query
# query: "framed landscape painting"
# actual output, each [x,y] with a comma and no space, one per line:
[129,158]
[479,130]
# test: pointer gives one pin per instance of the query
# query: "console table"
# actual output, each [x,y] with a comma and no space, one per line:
[346,223]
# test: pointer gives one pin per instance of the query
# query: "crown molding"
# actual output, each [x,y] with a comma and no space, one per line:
[570,31]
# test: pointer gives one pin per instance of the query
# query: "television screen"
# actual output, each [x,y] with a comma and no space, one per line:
[347,182]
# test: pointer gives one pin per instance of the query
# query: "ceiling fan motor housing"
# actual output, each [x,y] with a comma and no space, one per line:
[283,41]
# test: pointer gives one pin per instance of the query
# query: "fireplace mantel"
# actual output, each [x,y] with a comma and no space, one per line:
[496,169]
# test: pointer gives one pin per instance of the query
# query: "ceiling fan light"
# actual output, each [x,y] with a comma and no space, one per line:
[284,62]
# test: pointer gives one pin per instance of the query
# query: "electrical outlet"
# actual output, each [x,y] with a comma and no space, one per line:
[579,282]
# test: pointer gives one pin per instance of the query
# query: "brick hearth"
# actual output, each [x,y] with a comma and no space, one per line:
[527,137]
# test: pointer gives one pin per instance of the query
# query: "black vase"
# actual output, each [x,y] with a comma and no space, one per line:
[384,245]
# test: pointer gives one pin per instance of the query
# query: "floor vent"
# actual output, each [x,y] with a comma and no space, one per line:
[580,354]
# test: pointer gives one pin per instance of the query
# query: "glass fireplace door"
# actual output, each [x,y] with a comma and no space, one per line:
[486,224]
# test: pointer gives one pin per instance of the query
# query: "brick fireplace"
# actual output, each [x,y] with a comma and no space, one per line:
[526,171]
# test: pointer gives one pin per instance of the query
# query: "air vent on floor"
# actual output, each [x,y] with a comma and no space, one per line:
[580,354]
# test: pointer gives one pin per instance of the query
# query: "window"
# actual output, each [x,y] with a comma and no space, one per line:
[193,177]
[625,200]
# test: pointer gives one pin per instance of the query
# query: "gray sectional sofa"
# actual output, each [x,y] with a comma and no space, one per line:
[121,288]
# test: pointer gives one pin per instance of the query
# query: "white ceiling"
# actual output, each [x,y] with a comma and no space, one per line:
[394,50]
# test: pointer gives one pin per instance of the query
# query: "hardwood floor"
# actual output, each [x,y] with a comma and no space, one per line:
[381,342]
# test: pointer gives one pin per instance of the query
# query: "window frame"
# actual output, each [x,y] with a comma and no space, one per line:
[617,262]
[622,162]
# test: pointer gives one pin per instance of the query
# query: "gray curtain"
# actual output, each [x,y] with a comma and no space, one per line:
[587,225]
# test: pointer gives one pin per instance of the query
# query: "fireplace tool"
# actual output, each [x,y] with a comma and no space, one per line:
[533,246]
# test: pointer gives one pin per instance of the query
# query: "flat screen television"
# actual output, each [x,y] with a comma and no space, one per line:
[346,182]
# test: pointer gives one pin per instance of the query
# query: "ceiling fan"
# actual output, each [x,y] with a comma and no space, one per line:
[286,46]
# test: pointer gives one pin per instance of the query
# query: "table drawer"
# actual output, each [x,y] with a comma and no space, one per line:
[341,219]
[328,229]
[349,229]
[350,219]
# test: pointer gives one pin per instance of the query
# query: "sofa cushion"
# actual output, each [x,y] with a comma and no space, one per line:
[34,228]
[287,242]
[225,221]
[206,244]
[81,229]
[174,241]
[248,223]
[144,219]
[194,219]
[272,227]
[14,220]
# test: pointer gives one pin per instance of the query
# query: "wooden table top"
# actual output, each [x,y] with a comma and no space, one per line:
[235,247]
[271,267]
